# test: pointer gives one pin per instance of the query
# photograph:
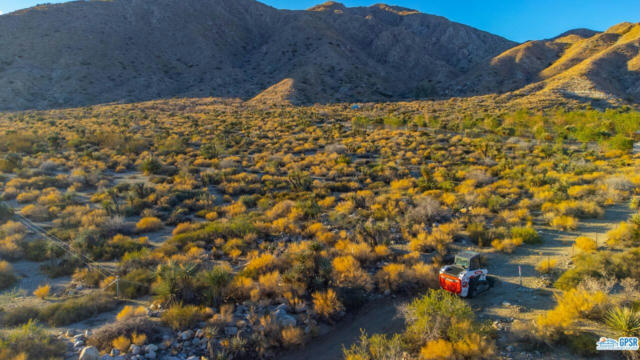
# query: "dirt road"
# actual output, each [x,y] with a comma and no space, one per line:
[505,302]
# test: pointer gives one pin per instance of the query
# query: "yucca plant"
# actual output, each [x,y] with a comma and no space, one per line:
[623,321]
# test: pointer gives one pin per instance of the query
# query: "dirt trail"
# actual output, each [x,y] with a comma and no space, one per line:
[506,301]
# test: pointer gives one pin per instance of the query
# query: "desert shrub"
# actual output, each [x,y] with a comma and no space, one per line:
[148,224]
[326,304]
[8,277]
[216,283]
[376,347]
[546,266]
[102,338]
[439,349]
[135,284]
[129,312]
[584,243]
[36,212]
[625,234]
[121,343]
[564,222]
[65,266]
[571,306]
[19,315]
[439,326]
[394,277]
[87,277]
[348,272]
[260,264]
[75,309]
[139,339]
[175,283]
[623,321]
[180,317]
[292,336]
[426,210]
[32,341]
[42,291]
[506,245]
[528,235]
[6,212]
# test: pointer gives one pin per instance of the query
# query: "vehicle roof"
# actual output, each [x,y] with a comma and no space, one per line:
[467,254]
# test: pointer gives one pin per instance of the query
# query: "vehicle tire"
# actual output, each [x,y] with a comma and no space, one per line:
[473,287]
[492,280]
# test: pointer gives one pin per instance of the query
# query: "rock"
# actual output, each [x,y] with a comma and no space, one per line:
[510,348]
[135,349]
[89,353]
[199,333]
[186,335]
[151,348]
[151,355]
[195,342]
[284,319]
[230,331]
[114,352]
[506,303]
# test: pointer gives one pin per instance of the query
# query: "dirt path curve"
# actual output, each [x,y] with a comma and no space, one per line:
[506,301]
[379,317]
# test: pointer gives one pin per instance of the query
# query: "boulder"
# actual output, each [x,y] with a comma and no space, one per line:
[186,335]
[89,353]
[135,349]
[284,319]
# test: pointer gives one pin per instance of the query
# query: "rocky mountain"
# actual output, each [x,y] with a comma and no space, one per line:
[90,52]
[579,64]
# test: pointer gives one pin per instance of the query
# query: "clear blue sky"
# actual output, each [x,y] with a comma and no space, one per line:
[517,20]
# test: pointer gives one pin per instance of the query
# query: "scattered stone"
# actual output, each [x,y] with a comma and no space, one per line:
[186,335]
[114,352]
[284,319]
[89,353]
[199,333]
[135,349]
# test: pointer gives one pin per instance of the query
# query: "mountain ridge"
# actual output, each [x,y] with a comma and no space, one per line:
[82,53]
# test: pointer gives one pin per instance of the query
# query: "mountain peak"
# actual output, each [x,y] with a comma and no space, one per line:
[328,6]
[395,9]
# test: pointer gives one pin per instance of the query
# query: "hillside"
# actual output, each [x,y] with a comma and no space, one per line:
[136,50]
[130,50]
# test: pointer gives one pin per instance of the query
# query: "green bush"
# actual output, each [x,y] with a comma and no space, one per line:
[32,341]
[19,315]
[7,276]
[136,283]
[76,309]
[180,317]
[528,234]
